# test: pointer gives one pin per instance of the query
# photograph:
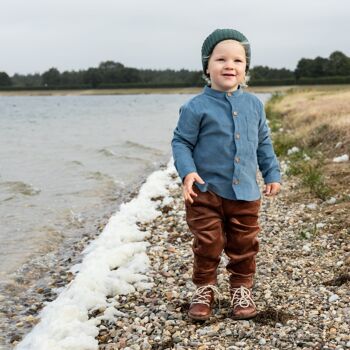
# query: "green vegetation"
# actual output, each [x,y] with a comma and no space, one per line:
[310,172]
[5,80]
[275,119]
[304,162]
[282,143]
[338,64]
[308,232]
[112,75]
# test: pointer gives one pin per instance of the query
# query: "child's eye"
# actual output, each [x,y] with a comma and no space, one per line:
[220,59]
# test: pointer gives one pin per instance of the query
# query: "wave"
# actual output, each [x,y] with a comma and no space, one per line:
[133,158]
[19,187]
[97,175]
[135,145]
[76,162]
[107,152]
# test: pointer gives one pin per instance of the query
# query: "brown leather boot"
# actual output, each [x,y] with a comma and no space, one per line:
[243,306]
[202,302]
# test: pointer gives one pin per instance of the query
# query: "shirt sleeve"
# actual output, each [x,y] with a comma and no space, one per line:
[267,160]
[184,140]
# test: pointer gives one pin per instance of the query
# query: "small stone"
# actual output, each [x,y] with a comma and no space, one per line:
[228,332]
[306,247]
[111,346]
[146,345]
[331,200]
[262,341]
[202,347]
[333,330]
[30,319]
[169,295]
[122,342]
[333,297]
[245,324]
[240,343]
[320,225]
[176,337]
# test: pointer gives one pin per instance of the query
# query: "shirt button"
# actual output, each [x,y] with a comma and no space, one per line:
[235,113]
[235,181]
[237,136]
[237,159]
[229,94]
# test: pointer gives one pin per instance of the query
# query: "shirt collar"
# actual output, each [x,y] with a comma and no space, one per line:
[222,94]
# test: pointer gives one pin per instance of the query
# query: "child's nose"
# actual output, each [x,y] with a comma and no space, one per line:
[230,66]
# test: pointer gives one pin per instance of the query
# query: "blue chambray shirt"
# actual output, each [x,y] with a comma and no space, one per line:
[224,137]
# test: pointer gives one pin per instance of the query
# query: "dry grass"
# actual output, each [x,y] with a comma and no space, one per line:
[318,122]
[317,117]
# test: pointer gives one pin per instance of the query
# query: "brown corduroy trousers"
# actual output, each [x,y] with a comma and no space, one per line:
[221,224]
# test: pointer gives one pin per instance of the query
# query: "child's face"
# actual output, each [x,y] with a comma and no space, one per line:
[226,66]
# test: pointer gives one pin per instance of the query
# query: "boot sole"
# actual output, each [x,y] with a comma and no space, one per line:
[199,318]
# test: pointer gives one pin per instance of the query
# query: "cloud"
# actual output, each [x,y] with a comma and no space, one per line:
[164,34]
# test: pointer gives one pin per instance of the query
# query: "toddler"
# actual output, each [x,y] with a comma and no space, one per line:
[220,141]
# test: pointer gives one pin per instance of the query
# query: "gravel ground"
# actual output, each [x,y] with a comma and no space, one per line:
[301,287]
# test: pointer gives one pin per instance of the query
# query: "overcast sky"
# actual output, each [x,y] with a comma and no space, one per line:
[36,35]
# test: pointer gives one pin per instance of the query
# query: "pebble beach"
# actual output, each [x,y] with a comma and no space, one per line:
[302,299]
[301,287]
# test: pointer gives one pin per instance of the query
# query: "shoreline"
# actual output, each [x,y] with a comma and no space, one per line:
[300,300]
[97,92]
[29,289]
[112,264]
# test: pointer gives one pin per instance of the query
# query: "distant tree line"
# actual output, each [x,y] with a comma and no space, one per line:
[110,74]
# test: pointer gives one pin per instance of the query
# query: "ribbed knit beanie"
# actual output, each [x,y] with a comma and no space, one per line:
[219,35]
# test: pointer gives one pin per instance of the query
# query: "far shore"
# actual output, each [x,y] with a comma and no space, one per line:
[194,90]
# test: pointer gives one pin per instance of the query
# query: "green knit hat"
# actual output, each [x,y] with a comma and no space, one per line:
[219,35]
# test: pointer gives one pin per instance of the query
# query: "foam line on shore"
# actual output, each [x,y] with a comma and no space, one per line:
[113,264]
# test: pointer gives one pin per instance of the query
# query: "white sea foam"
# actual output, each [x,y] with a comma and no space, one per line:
[115,263]
[340,159]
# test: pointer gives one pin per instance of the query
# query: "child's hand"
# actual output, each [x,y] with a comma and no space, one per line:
[187,190]
[272,189]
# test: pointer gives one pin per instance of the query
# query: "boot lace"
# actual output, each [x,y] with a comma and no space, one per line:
[241,296]
[202,294]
